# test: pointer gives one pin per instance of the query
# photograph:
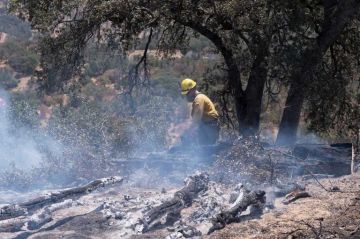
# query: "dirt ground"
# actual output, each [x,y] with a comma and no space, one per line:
[323,215]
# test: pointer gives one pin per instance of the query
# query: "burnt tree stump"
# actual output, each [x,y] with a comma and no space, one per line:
[169,211]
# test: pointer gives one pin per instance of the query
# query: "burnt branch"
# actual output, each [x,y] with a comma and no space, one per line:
[135,73]
[139,77]
[27,208]
[170,210]
[244,200]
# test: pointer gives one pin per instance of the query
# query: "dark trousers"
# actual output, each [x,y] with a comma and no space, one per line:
[208,132]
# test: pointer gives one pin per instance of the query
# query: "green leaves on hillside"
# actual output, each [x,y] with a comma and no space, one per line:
[19,55]
[260,42]
[13,26]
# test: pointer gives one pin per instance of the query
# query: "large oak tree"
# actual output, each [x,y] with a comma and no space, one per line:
[254,37]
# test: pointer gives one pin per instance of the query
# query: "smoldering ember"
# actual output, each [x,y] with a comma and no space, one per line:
[179,119]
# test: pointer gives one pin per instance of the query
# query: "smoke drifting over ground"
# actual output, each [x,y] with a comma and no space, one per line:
[18,146]
[81,144]
[90,141]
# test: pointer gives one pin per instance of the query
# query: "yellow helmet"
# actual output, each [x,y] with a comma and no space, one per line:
[186,85]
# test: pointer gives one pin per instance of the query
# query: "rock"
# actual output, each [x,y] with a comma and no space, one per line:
[119,215]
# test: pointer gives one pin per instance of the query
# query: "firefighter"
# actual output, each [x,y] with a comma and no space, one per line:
[204,117]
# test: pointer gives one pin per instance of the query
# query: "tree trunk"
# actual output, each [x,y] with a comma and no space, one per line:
[334,23]
[295,99]
[355,152]
[248,102]
[250,105]
[291,116]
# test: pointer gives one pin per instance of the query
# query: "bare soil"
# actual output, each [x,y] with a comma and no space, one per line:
[323,215]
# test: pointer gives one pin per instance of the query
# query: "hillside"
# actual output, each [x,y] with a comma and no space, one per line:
[97,140]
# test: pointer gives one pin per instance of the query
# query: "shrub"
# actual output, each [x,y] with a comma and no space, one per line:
[7,80]
[165,84]
[20,57]
[99,59]
[15,27]
[23,110]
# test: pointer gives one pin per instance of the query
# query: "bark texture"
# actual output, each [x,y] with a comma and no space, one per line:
[58,196]
[355,153]
[35,213]
[244,200]
[250,106]
[247,102]
[170,210]
[336,17]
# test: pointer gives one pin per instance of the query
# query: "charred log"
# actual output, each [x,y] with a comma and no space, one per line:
[55,197]
[11,211]
[170,210]
[25,215]
[244,200]
[44,216]
[295,195]
[323,151]
[13,224]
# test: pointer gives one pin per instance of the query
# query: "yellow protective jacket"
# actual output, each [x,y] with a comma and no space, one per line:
[203,109]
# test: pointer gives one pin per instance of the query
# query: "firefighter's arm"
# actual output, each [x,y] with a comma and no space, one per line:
[197,111]
[193,123]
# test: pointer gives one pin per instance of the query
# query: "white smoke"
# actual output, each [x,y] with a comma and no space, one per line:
[18,146]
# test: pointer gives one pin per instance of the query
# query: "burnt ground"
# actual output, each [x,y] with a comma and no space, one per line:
[323,215]
[326,214]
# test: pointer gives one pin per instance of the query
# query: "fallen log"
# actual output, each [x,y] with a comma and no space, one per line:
[15,217]
[295,195]
[318,176]
[34,221]
[11,211]
[170,210]
[323,151]
[44,216]
[13,224]
[54,197]
[244,200]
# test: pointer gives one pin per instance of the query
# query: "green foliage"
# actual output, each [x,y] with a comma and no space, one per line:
[86,140]
[7,80]
[19,56]
[100,58]
[14,27]
[199,44]
[335,114]
[90,129]
[166,84]
[337,119]
[23,109]
[267,41]
[153,120]
[333,107]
